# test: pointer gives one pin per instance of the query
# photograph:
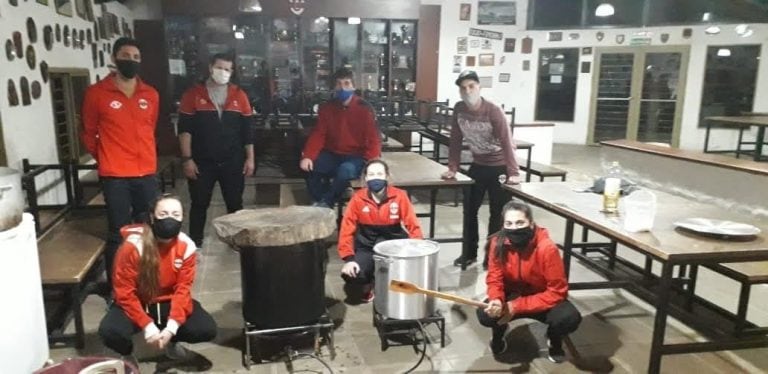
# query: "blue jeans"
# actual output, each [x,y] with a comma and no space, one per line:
[331,174]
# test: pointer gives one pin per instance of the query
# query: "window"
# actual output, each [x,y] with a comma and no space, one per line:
[67,92]
[548,14]
[556,89]
[729,80]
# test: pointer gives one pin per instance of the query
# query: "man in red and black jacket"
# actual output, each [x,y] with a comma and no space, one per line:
[216,141]
[119,118]
[345,137]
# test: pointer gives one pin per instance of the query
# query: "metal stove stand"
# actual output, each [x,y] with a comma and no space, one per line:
[322,329]
[392,328]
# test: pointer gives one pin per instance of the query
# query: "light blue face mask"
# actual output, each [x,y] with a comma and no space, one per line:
[342,94]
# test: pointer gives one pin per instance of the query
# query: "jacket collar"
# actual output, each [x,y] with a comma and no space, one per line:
[109,83]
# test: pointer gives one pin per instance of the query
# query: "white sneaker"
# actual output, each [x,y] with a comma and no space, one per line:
[176,351]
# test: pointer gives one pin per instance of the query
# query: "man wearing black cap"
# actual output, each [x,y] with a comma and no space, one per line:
[484,127]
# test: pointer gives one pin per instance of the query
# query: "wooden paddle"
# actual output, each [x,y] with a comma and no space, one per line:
[410,288]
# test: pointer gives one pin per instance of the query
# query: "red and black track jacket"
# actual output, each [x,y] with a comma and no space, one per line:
[366,222]
[177,262]
[216,139]
[119,131]
[536,274]
[349,130]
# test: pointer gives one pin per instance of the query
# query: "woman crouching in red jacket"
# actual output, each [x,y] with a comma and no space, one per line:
[153,275]
[374,214]
[526,279]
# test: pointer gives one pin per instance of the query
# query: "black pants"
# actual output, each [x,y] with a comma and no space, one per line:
[127,202]
[364,258]
[561,320]
[486,179]
[232,182]
[116,330]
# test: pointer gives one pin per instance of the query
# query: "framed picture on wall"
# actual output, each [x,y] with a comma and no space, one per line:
[486,59]
[470,61]
[63,7]
[496,12]
[462,44]
[509,45]
[465,12]
[486,82]
[504,77]
[80,8]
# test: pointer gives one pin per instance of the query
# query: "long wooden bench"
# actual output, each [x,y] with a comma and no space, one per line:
[750,172]
[70,254]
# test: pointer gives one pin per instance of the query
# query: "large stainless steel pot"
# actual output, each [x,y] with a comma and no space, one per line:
[11,198]
[410,260]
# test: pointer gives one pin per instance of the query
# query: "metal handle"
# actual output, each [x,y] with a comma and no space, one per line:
[383,259]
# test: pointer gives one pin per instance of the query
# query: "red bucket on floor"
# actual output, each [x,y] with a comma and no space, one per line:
[88,365]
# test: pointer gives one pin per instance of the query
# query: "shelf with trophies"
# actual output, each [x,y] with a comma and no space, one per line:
[381,53]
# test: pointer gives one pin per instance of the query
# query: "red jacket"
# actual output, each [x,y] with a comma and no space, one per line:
[536,275]
[343,130]
[176,275]
[365,222]
[120,131]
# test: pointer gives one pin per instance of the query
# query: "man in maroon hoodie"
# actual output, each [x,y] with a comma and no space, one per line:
[344,139]
[526,279]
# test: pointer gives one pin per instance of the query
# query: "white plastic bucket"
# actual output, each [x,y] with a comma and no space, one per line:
[639,211]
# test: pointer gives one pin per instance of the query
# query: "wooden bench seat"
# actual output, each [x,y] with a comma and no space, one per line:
[542,170]
[69,254]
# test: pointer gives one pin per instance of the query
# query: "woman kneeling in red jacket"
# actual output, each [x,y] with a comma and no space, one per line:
[153,275]
[375,213]
[526,279]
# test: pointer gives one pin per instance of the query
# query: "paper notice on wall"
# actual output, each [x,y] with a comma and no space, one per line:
[555,79]
[177,67]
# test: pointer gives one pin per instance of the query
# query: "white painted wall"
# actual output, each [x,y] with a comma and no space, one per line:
[28,130]
[520,92]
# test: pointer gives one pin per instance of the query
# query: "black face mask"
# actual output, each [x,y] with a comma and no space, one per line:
[519,238]
[128,68]
[166,228]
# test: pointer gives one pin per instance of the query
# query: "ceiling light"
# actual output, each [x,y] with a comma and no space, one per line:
[604,10]
[724,52]
[706,17]
[250,6]
[239,35]
[712,30]
[353,20]
[744,30]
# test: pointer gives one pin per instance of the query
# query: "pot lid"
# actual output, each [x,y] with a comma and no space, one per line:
[406,248]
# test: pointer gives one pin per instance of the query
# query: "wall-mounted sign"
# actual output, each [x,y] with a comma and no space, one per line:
[485,34]
[640,41]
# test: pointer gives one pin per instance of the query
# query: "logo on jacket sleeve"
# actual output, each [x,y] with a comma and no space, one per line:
[143,104]
[115,104]
[177,263]
[366,209]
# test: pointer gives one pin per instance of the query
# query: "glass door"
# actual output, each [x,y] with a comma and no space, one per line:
[375,62]
[346,48]
[638,94]
[403,59]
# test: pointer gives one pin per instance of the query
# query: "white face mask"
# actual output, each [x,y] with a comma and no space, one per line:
[220,76]
[471,99]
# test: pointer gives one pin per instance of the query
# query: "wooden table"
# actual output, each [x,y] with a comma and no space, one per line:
[411,171]
[665,244]
[390,144]
[741,123]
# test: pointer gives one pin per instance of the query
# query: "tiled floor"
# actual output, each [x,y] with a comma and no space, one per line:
[614,335]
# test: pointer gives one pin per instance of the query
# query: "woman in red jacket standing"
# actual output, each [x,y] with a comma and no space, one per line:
[153,275]
[526,279]
[375,213]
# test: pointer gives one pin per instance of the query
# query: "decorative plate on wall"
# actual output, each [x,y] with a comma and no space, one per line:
[18,44]
[89,36]
[10,52]
[101,58]
[95,31]
[48,37]
[82,39]
[44,71]
[75,38]
[36,90]
[58,33]
[26,98]
[31,30]
[94,55]
[13,95]
[31,60]
[66,36]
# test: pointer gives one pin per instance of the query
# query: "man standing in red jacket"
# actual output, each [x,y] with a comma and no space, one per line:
[119,119]
[526,279]
[345,137]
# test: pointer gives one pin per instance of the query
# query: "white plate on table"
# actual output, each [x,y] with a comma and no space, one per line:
[718,227]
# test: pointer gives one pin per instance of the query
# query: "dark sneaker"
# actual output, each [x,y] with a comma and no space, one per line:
[556,352]
[464,262]
[498,345]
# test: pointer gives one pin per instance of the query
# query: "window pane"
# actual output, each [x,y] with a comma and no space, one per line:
[556,13]
[556,96]
[677,11]
[626,12]
[729,80]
